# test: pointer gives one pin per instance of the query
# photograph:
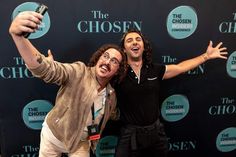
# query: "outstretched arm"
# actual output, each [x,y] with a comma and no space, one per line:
[27,21]
[211,53]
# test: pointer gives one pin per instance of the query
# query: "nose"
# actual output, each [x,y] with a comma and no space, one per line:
[134,42]
[108,61]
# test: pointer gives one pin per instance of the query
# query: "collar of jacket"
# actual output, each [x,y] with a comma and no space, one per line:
[109,89]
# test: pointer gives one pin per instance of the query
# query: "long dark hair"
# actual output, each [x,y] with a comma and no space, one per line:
[122,66]
[147,54]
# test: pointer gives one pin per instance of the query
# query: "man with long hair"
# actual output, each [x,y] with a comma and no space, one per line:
[142,133]
[85,100]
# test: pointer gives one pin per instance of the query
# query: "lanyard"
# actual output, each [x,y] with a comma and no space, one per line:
[93,113]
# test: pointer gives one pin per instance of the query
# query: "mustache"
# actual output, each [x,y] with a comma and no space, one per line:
[107,65]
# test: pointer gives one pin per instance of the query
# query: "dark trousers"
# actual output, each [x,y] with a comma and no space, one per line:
[147,141]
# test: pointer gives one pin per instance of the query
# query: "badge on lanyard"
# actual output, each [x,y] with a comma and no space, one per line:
[93,130]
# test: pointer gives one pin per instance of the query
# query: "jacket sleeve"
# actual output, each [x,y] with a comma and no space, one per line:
[59,73]
[115,114]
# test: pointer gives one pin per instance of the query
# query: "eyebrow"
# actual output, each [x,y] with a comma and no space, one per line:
[130,38]
[112,57]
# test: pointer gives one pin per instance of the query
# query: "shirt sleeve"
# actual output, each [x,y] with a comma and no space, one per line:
[161,69]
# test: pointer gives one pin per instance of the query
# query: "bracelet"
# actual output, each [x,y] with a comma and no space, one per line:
[205,56]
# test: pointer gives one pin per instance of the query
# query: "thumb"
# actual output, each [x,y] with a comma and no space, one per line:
[50,54]
[210,43]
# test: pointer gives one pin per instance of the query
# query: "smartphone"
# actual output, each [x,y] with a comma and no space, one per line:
[41,9]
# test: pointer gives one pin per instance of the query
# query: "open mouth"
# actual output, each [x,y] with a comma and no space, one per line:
[135,48]
[105,68]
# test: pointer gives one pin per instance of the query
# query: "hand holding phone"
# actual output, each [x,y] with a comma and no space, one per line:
[41,9]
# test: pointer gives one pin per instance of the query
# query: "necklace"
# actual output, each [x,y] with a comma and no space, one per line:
[136,66]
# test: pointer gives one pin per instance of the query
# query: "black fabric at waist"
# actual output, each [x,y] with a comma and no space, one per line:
[147,127]
[134,130]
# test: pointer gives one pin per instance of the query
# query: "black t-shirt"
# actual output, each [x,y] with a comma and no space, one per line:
[139,101]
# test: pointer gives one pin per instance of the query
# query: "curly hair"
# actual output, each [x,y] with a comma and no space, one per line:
[147,53]
[122,66]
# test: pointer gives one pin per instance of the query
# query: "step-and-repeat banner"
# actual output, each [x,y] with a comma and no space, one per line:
[198,107]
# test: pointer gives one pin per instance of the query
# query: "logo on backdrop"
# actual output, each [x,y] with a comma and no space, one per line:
[19,71]
[226,140]
[31,6]
[181,145]
[35,112]
[228,26]
[231,65]
[106,146]
[175,108]
[100,24]
[182,22]
[29,151]
[227,107]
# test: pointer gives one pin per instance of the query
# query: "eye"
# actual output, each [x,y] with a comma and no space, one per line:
[129,40]
[139,39]
[114,61]
[106,56]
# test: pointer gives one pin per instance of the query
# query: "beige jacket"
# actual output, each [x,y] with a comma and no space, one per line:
[78,88]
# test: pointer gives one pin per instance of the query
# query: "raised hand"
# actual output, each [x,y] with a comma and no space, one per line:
[215,52]
[27,21]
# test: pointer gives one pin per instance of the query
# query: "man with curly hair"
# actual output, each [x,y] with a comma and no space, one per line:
[85,100]
[142,133]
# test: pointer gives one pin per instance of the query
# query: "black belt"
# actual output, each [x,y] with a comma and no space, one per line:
[143,129]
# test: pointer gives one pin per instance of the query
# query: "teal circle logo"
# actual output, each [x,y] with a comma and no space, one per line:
[35,112]
[175,108]
[31,6]
[231,65]
[226,140]
[106,146]
[182,22]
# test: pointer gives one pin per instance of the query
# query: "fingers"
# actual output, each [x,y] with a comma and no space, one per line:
[30,15]
[223,49]
[27,21]
[25,29]
[223,53]
[31,25]
[223,57]
[210,43]
[219,45]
